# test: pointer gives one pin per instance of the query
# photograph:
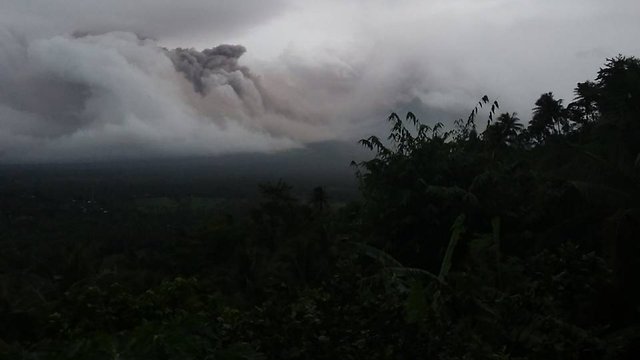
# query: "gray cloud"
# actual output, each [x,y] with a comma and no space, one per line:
[149,18]
[445,54]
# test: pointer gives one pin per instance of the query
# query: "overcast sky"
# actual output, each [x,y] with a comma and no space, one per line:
[99,79]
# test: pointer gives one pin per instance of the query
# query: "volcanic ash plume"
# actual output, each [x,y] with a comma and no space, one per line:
[199,66]
[115,95]
[91,96]
[232,90]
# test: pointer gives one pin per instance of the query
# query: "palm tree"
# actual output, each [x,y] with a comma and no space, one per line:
[584,108]
[549,117]
[510,127]
[504,132]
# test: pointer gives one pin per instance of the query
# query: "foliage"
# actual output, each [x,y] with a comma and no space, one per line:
[509,243]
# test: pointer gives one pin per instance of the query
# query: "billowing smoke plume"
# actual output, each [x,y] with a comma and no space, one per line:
[200,67]
[116,95]
[111,95]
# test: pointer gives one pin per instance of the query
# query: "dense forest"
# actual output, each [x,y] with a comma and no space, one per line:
[495,239]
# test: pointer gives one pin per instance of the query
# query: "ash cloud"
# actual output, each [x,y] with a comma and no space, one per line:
[94,96]
[116,95]
[199,66]
[217,70]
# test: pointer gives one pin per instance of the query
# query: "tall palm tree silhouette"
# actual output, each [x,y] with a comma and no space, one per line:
[549,117]
[585,102]
[510,127]
[503,132]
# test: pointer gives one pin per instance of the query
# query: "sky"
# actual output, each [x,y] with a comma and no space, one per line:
[111,79]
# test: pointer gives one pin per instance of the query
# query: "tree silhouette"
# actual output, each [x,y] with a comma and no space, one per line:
[504,132]
[319,200]
[619,82]
[510,127]
[618,127]
[584,107]
[549,118]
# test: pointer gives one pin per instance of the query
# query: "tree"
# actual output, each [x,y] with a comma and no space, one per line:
[503,133]
[618,127]
[319,199]
[584,108]
[510,127]
[549,118]
[619,82]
